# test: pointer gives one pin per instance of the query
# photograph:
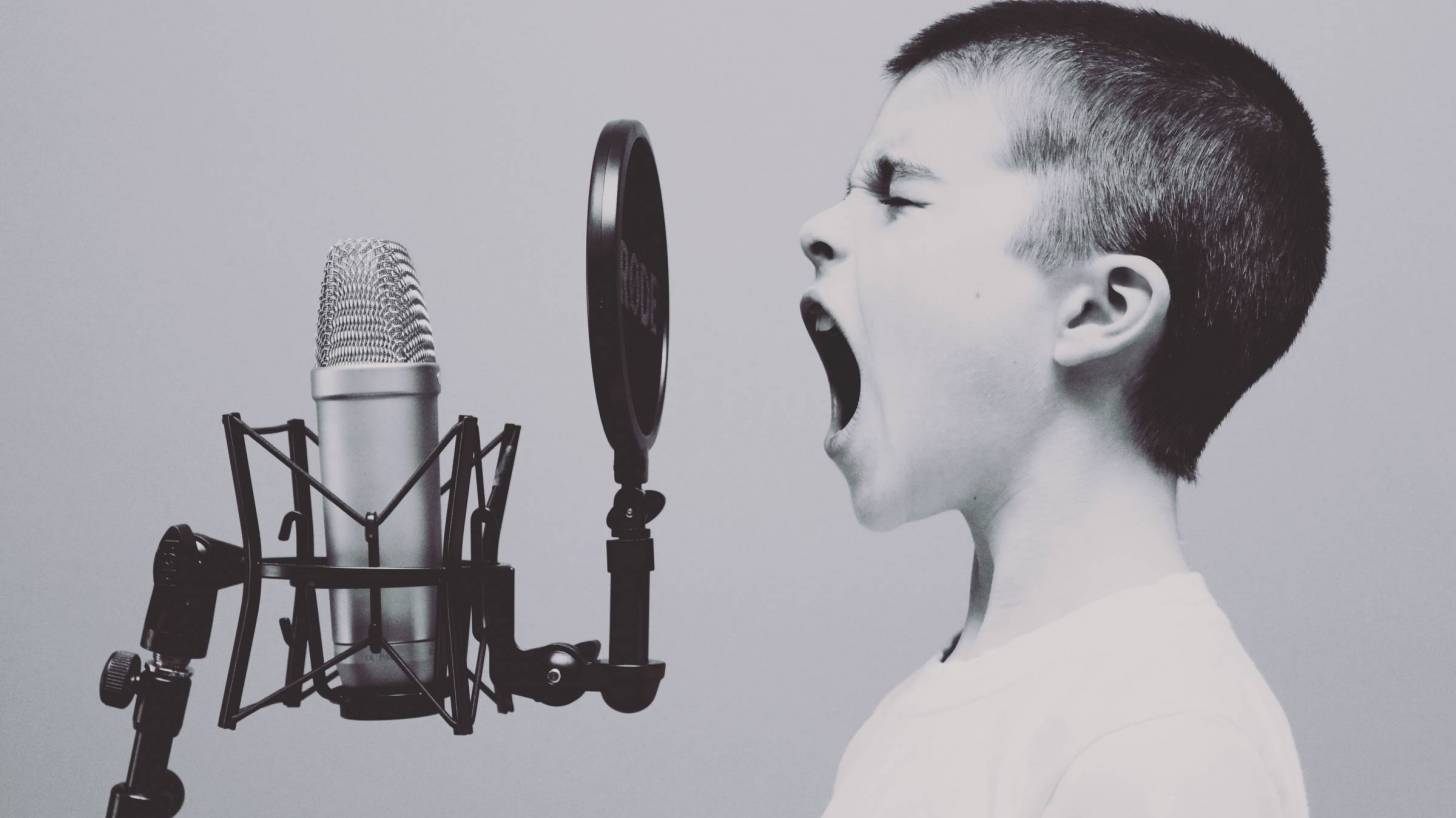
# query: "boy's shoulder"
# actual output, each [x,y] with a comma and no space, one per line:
[1167,645]
[1172,687]
[1169,651]
[1160,649]
[1153,667]
[1165,651]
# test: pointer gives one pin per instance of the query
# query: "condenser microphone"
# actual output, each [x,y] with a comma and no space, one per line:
[377,387]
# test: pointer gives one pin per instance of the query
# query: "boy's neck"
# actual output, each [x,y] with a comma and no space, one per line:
[1087,517]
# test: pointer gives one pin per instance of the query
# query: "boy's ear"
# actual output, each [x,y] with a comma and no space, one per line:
[1117,303]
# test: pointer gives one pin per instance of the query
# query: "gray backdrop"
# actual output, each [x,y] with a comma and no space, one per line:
[171,177]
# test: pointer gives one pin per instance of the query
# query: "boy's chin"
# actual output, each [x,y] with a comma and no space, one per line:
[878,509]
[884,504]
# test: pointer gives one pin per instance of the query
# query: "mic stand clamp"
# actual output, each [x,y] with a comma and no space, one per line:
[557,674]
[188,571]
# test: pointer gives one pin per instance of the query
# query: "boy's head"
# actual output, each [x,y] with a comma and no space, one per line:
[1066,213]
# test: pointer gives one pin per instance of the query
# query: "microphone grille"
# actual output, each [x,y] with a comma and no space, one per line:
[370,307]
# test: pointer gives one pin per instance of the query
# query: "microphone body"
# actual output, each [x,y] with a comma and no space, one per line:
[377,387]
[376,423]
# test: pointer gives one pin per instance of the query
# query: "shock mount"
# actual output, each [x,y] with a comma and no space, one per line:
[476,598]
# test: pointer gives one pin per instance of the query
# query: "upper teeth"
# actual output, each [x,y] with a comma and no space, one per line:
[824,324]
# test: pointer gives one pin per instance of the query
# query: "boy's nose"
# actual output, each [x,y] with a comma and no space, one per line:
[820,240]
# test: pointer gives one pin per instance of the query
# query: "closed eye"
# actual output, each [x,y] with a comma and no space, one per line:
[877,180]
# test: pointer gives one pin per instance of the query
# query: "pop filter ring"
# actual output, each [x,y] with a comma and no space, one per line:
[627,294]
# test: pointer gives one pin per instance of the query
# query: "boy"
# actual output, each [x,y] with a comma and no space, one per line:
[1075,236]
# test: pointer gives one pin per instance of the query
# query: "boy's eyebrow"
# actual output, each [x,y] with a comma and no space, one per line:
[886,170]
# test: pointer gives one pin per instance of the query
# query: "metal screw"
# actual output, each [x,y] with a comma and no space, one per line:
[553,676]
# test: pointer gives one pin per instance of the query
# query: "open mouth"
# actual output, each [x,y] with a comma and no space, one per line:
[839,362]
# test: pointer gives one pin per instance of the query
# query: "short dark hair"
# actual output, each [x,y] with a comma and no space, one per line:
[1156,136]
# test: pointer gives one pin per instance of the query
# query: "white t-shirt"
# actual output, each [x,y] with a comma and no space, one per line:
[1140,704]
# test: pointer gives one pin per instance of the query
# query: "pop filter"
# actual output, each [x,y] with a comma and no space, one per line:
[626,285]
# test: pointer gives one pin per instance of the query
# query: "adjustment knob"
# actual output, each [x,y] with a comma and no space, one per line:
[119,678]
